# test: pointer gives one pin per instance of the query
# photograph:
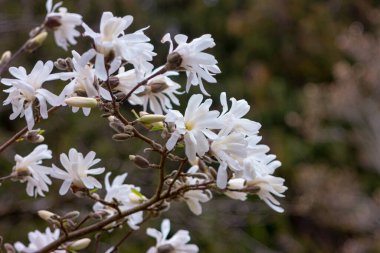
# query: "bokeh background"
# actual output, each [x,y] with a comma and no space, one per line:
[311,71]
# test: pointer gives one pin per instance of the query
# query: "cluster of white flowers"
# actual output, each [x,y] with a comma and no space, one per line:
[117,68]
[29,169]
[232,140]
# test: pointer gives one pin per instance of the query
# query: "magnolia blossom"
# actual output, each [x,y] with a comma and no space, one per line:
[159,93]
[258,170]
[111,42]
[38,240]
[78,169]
[198,65]
[176,244]
[63,23]
[232,118]
[127,195]
[29,169]
[82,80]
[230,150]
[127,80]
[26,89]
[196,126]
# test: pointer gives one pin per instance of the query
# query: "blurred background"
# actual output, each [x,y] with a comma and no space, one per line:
[310,71]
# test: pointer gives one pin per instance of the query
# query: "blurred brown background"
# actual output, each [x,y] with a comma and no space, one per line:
[310,70]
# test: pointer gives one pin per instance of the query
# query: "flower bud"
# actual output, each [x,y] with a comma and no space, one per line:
[5,57]
[151,118]
[174,61]
[36,42]
[71,215]
[81,102]
[79,244]
[34,136]
[46,215]
[140,161]
[121,136]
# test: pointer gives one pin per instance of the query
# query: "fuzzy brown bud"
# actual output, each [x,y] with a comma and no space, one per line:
[140,161]
[174,61]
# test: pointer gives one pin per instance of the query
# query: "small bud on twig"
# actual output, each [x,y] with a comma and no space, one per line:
[151,118]
[79,244]
[35,42]
[140,161]
[81,102]
[5,57]
[46,215]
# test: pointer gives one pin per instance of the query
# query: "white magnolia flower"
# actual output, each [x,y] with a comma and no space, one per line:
[196,126]
[233,120]
[29,169]
[82,80]
[63,23]
[230,150]
[127,80]
[176,244]
[112,42]
[27,88]
[159,93]
[258,170]
[198,65]
[126,195]
[38,240]
[78,169]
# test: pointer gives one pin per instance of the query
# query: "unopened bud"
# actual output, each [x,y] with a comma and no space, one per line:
[140,161]
[79,244]
[121,136]
[5,57]
[116,124]
[36,42]
[174,61]
[61,64]
[71,215]
[134,198]
[81,102]
[151,118]
[46,215]
[34,136]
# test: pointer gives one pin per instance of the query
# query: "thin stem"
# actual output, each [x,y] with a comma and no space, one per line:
[2,179]
[22,132]
[179,171]
[98,226]
[117,245]
[19,51]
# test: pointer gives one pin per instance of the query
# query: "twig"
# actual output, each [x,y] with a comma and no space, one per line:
[22,132]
